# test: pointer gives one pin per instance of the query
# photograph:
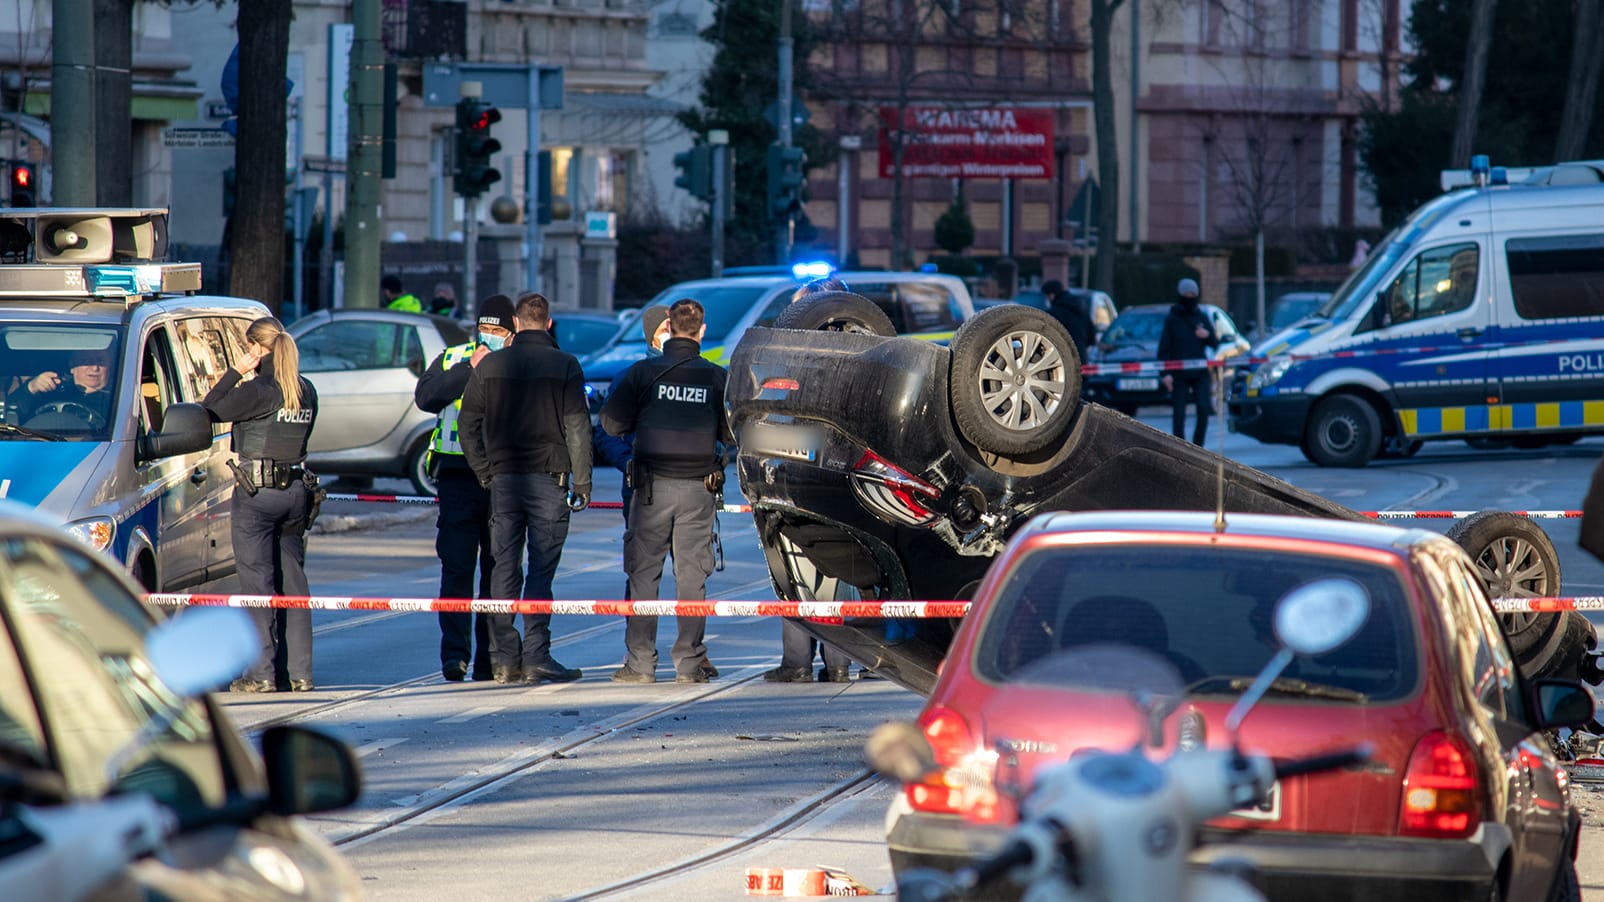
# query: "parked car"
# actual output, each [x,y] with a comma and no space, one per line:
[893,469]
[1134,337]
[1460,798]
[1293,307]
[921,305]
[365,365]
[582,332]
[142,475]
[88,721]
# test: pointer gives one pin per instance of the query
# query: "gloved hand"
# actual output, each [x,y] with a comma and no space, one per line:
[579,498]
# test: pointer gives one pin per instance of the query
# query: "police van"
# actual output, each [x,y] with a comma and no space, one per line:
[105,353]
[1481,318]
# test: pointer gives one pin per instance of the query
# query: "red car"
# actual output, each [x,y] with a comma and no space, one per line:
[1462,798]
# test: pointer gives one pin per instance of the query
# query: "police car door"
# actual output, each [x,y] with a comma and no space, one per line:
[172,514]
[209,346]
[1429,330]
[1550,363]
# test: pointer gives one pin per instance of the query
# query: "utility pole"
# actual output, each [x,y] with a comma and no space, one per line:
[782,230]
[1136,128]
[364,158]
[72,103]
[720,140]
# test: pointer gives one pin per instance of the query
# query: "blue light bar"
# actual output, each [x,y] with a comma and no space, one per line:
[812,269]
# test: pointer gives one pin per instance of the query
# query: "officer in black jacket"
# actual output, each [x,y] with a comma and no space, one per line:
[674,404]
[525,429]
[1188,335]
[462,531]
[272,415]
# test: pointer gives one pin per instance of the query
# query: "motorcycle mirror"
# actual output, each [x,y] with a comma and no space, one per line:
[1319,616]
[899,749]
[201,649]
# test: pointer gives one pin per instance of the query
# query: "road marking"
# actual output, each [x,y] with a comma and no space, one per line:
[377,745]
[470,714]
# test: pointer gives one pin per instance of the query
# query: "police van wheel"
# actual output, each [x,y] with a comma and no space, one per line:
[1015,380]
[1344,431]
[1515,558]
[418,470]
[836,311]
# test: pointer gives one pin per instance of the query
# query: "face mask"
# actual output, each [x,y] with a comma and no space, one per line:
[493,342]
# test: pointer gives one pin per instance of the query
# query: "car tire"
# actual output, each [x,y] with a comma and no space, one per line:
[1514,557]
[418,469]
[986,399]
[1343,431]
[836,311]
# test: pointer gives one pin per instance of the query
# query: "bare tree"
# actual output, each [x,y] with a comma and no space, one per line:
[1470,83]
[1587,53]
[256,230]
[114,27]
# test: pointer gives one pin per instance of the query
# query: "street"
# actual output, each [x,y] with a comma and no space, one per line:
[597,789]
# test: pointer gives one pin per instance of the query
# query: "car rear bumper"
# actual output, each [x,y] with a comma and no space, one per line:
[1306,867]
[1276,421]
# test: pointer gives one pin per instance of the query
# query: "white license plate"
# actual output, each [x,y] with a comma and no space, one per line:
[1136,384]
[1267,810]
[794,442]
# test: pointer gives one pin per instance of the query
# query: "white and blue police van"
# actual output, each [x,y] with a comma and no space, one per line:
[1480,318]
[105,354]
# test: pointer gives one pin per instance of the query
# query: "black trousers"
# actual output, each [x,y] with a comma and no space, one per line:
[797,648]
[527,510]
[1197,384]
[679,520]
[463,542]
[269,534]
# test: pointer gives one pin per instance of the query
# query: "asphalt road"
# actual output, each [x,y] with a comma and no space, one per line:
[586,790]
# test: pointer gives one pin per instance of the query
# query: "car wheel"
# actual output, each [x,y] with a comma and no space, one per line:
[418,468]
[1015,380]
[1515,558]
[836,311]
[1344,431]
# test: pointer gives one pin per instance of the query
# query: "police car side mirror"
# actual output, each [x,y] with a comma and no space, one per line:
[186,428]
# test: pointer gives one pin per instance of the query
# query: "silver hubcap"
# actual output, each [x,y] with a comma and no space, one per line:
[1022,380]
[1512,568]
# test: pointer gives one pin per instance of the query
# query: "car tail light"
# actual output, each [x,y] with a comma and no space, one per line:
[892,493]
[1442,789]
[781,383]
[961,782]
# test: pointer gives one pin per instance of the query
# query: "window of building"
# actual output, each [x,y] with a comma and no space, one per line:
[1556,277]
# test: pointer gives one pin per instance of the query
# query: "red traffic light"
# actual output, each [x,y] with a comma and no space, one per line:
[487,117]
[21,175]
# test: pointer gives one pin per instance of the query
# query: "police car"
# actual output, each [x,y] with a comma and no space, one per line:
[105,354]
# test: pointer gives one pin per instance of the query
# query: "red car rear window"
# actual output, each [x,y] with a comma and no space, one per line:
[1208,610]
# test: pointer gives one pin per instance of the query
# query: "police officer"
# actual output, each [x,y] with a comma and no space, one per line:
[1187,334]
[463,527]
[272,415]
[674,405]
[525,430]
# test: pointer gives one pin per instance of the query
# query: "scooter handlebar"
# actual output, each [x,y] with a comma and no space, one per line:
[1014,853]
[1328,761]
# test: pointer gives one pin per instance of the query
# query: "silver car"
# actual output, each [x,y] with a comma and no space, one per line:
[365,365]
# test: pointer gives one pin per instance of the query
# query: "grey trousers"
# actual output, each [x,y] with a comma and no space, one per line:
[679,519]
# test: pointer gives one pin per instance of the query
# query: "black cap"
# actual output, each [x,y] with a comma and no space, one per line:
[1052,287]
[497,310]
[390,283]
[651,319]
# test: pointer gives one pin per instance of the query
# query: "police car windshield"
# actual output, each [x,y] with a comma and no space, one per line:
[59,379]
[725,305]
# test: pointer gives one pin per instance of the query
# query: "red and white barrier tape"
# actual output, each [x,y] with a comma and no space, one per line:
[660,608]
[747,508]
[429,499]
[1548,605]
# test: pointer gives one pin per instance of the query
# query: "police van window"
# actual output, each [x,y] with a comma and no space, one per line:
[927,307]
[202,341]
[233,329]
[158,381]
[351,345]
[1555,278]
[1437,282]
[62,379]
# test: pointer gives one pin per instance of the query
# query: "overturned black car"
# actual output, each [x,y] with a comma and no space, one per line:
[890,468]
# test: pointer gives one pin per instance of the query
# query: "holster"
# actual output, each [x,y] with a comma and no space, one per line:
[317,493]
[639,478]
[242,478]
[714,482]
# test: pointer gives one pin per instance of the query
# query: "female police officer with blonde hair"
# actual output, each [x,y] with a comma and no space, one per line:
[272,415]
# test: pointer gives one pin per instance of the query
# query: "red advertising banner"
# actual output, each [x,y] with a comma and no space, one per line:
[993,142]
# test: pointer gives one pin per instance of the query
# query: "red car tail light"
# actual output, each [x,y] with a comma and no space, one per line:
[961,782]
[892,493]
[1442,789]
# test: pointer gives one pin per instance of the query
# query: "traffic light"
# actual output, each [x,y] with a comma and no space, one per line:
[785,181]
[695,171]
[472,173]
[23,185]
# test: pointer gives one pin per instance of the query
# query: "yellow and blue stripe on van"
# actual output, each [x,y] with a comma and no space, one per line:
[1429,421]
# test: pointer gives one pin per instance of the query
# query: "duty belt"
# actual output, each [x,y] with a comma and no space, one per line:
[271,473]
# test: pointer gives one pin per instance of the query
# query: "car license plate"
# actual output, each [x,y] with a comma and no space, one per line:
[794,442]
[1136,384]
[1267,810]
